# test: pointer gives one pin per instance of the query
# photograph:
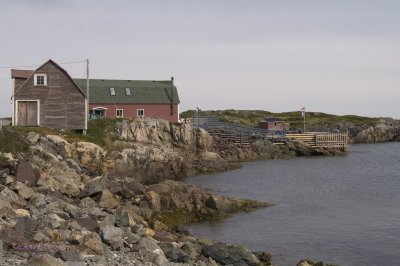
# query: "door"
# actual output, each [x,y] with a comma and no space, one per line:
[27,113]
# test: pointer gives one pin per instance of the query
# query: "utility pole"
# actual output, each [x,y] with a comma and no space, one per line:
[87,79]
[172,95]
[87,90]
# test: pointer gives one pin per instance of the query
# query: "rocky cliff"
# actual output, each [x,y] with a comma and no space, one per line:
[383,130]
[76,203]
[59,206]
[155,149]
[160,149]
[386,129]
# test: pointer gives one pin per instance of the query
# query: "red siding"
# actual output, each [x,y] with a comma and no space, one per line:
[274,126]
[150,110]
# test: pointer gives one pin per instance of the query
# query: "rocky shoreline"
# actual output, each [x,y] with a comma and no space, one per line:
[74,203]
[383,130]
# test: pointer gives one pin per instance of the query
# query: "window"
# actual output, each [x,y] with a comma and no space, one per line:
[140,112]
[112,91]
[97,113]
[40,80]
[128,91]
[120,113]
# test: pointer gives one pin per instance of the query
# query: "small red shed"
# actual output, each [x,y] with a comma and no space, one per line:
[272,124]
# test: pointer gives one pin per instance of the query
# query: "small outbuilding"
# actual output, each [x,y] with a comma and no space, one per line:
[48,97]
[272,124]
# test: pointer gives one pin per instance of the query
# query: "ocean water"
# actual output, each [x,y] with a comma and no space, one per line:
[341,210]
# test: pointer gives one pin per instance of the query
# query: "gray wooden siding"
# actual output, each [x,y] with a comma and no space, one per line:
[62,105]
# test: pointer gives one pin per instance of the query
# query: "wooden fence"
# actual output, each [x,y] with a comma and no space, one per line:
[322,139]
[245,135]
[237,133]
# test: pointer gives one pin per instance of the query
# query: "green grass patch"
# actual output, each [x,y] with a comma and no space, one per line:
[101,132]
[12,141]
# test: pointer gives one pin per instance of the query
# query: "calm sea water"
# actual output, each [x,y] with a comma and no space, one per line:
[341,210]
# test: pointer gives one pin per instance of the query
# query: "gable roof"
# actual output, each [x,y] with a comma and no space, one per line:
[142,91]
[27,74]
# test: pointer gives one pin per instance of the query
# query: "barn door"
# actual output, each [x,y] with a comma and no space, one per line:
[27,113]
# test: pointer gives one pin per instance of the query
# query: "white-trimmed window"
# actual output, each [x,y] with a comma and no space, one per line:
[140,112]
[112,91]
[120,113]
[127,91]
[40,80]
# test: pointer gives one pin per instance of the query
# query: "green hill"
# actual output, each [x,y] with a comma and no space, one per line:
[314,120]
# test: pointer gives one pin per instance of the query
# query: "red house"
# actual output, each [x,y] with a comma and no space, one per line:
[132,98]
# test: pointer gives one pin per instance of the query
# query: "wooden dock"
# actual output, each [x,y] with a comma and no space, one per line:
[245,135]
[322,139]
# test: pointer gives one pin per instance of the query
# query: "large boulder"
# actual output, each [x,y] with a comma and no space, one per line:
[145,130]
[93,244]
[113,236]
[12,198]
[149,160]
[26,173]
[96,185]
[89,223]
[161,131]
[90,157]
[107,200]
[62,146]
[11,236]
[230,254]
[219,203]
[24,191]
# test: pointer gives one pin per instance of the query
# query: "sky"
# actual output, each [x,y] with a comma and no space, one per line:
[339,57]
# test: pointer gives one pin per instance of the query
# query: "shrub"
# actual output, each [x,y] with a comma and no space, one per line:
[12,141]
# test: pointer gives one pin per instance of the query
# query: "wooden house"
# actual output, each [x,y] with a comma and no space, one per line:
[272,124]
[132,98]
[48,97]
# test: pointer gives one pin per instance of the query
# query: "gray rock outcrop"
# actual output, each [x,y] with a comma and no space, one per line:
[380,130]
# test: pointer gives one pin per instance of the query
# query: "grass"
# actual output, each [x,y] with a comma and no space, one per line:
[294,119]
[12,141]
[101,132]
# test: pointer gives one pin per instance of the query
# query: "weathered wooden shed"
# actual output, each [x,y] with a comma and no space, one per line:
[48,97]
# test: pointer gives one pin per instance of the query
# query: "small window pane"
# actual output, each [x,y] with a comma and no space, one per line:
[112,91]
[128,91]
[140,112]
[40,80]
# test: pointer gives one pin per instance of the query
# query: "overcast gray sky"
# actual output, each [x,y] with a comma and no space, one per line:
[340,57]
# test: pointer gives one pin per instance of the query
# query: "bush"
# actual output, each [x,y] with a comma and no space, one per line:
[12,141]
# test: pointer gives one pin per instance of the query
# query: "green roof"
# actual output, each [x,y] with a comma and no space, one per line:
[142,91]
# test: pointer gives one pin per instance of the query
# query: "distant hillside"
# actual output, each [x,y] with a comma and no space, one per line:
[314,120]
